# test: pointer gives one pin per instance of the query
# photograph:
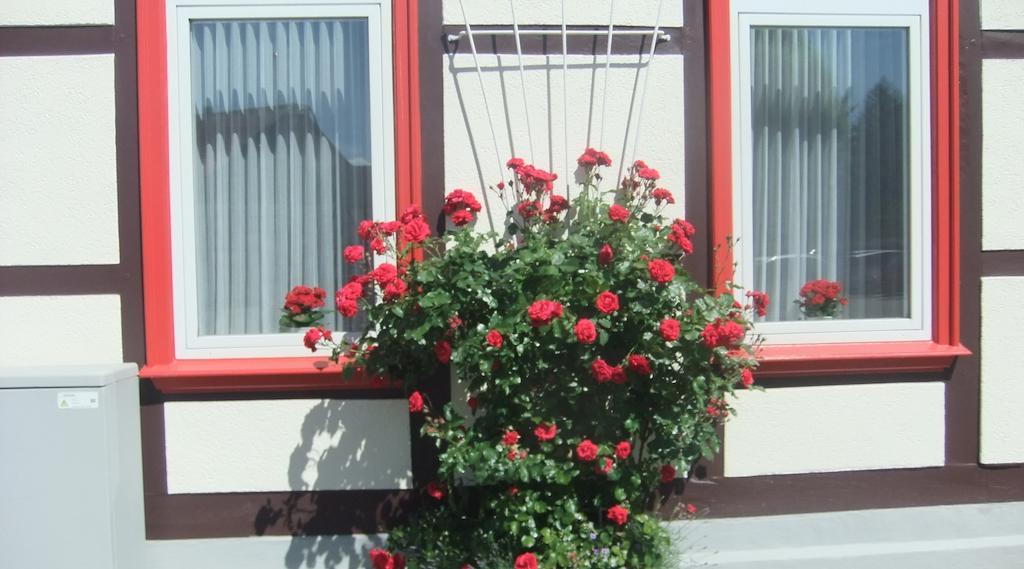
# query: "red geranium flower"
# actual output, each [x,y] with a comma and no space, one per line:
[303,299]
[623,450]
[545,431]
[669,329]
[618,514]
[618,214]
[586,331]
[586,451]
[416,402]
[661,271]
[495,339]
[443,351]
[607,302]
[542,312]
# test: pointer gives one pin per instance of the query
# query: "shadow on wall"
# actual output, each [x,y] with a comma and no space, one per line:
[519,132]
[339,479]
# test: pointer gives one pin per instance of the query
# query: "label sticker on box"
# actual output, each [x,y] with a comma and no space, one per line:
[78,400]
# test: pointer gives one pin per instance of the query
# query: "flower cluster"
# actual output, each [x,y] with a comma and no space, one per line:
[821,298]
[579,337]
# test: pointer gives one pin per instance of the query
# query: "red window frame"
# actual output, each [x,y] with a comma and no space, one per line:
[867,357]
[237,374]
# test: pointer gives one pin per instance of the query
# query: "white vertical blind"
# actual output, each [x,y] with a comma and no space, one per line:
[282,157]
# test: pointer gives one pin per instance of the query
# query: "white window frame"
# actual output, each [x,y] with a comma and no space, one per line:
[187,341]
[912,15]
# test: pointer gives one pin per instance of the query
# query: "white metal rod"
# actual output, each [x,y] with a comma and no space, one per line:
[483,91]
[522,79]
[607,69]
[565,99]
[647,75]
[661,35]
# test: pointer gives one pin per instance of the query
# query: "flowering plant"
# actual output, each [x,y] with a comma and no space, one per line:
[595,369]
[821,298]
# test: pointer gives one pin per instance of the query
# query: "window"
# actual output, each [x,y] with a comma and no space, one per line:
[834,153]
[833,175]
[281,135]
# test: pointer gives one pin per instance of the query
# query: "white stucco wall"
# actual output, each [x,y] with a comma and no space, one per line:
[548,12]
[60,330]
[58,187]
[1002,14]
[56,12]
[470,159]
[1002,167]
[836,428]
[1002,383]
[282,445]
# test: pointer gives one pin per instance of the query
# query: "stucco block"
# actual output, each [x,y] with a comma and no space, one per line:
[59,330]
[472,163]
[1002,388]
[285,445]
[836,428]
[56,12]
[1002,169]
[546,12]
[1002,14]
[58,190]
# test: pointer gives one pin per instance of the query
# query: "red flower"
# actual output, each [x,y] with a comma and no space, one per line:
[526,561]
[747,378]
[684,227]
[314,335]
[472,403]
[385,273]
[461,217]
[623,450]
[605,255]
[668,473]
[416,231]
[661,271]
[649,174]
[691,509]
[351,291]
[455,322]
[534,179]
[722,333]
[437,490]
[367,229]
[510,438]
[381,559]
[416,402]
[379,246]
[515,163]
[761,301]
[602,371]
[303,299]
[354,253]
[412,212]
[606,466]
[586,331]
[607,302]
[662,195]
[347,307]
[821,291]
[390,227]
[395,289]
[618,214]
[669,329]
[495,339]
[586,451]
[542,312]
[618,514]
[592,157]
[529,209]
[639,364]
[680,234]
[545,431]
[443,351]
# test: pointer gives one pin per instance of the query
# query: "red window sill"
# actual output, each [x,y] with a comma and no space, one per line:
[865,358]
[257,374]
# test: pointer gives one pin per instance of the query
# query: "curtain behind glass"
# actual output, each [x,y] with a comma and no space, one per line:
[282,155]
[830,166]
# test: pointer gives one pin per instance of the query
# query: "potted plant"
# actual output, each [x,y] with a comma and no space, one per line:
[821,299]
[595,368]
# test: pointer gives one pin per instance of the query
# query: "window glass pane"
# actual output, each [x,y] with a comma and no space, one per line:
[281,111]
[831,172]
